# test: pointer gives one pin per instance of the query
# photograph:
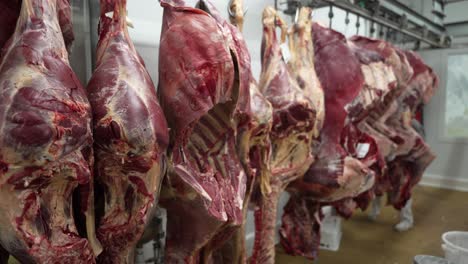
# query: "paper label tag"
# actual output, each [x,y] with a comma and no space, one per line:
[362,149]
[111,15]
[285,52]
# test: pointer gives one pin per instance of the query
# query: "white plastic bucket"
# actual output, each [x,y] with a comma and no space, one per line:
[330,231]
[455,245]
[425,259]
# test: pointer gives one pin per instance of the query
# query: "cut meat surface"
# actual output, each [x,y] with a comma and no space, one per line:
[255,137]
[375,123]
[294,117]
[352,85]
[46,183]
[131,137]
[247,127]
[64,13]
[10,11]
[200,89]
[413,155]
[300,227]
[302,64]
[336,174]
[373,110]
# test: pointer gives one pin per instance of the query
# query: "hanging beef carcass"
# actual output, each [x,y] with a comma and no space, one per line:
[130,138]
[64,13]
[349,92]
[201,97]
[413,155]
[294,120]
[386,71]
[302,64]
[253,115]
[374,124]
[10,11]
[46,188]
[300,220]
[336,174]
[353,84]
[390,122]
[258,139]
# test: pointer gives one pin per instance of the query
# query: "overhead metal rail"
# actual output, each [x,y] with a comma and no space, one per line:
[413,16]
[453,1]
[391,14]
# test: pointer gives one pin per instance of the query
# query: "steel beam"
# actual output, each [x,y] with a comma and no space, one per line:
[453,1]
[382,21]
[401,9]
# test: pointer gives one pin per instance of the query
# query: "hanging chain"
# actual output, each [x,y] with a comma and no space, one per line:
[358,24]
[346,22]
[372,29]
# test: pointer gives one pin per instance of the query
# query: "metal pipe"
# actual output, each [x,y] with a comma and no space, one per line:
[453,1]
[367,15]
[417,18]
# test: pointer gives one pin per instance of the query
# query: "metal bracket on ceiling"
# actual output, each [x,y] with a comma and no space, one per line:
[392,15]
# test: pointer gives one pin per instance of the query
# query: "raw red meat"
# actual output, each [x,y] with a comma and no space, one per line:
[413,155]
[374,124]
[46,188]
[294,120]
[394,85]
[390,124]
[336,174]
[201,86]
[257,152]
[253,115]
[300,227]
[352,85]
[64,13]
[302,64]
[9,13]
[130,138]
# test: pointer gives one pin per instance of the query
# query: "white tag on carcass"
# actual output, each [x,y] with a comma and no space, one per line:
[111,15]
[362,149]
[285,52]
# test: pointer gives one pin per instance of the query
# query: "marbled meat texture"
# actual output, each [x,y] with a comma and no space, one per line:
[206,185]
[46,183]
[130,138]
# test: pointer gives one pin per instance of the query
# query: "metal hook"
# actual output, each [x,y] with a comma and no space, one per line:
[358,24]
[230,11]
[395,36]
[372,29]
[381,31]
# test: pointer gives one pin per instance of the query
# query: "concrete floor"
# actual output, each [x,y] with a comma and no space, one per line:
[364,242]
